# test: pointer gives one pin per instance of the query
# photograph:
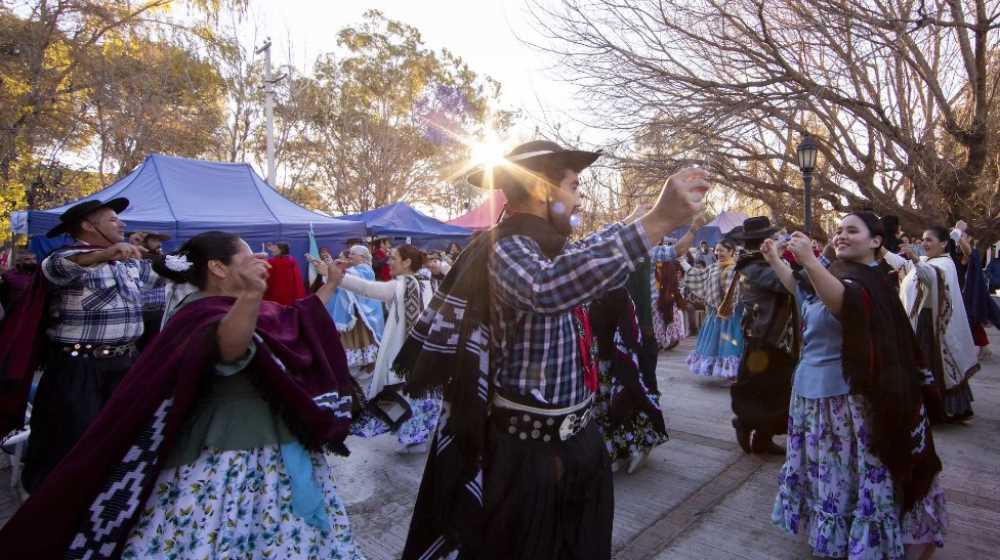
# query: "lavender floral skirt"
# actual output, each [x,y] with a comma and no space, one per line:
[637,434]
[417,429]
[836,490]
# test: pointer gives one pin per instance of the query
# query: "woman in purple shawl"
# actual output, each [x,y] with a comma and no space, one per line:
[213,444]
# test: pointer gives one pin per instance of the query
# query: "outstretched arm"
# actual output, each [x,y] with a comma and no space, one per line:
[784,272]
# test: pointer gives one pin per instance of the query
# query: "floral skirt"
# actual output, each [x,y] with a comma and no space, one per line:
[359,345]
[668,336]
[419,428]
[237,504]
[719,347]
[833,487]
[636,435]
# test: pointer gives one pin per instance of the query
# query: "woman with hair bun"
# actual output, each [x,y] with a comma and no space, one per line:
[406,296]
[213,444]
[860,472]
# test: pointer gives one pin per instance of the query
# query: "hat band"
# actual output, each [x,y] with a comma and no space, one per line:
[528,155]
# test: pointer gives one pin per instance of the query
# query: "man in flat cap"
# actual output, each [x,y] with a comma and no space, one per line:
[94,319]
[518,469]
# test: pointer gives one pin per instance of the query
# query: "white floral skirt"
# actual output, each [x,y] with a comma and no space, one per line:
[237,504]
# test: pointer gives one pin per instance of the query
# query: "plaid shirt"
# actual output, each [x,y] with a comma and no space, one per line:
[534,342]
[709,285]
[99,304]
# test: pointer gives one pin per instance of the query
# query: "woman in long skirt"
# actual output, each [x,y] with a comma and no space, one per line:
[212,445]
[860,473]
[932,296]
[669,321]
[628,412]
[407,294]
[720,339]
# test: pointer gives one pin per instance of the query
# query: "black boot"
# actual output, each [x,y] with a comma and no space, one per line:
[742,435]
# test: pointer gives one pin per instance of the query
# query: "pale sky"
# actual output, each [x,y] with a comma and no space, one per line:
[482,32]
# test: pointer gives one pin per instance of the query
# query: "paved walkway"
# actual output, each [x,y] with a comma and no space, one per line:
[699,497]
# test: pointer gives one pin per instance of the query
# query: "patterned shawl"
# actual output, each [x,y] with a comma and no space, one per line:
[449,348]
[883,363]
[89,503]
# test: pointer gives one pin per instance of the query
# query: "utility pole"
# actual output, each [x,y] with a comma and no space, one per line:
[269,107]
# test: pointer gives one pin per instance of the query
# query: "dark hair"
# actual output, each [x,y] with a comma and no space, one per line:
[204,247]
[727,243]
[940,232]
[283,249]
[412,254]
[874,226]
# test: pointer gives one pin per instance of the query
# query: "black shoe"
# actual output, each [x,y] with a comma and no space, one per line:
[742,435]
[764,445]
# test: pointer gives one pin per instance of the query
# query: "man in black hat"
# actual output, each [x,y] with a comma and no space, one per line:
[517,468]
[763,386]
[94,320]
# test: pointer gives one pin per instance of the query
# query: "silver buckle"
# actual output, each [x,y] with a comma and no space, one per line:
[573,423]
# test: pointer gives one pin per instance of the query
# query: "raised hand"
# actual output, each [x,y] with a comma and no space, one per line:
[683,196]
[122,251]
[252,276]
[638,212]
[801,247]
[322,266]
[699,221]
[769,248]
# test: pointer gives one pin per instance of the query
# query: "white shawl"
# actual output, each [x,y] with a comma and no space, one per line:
[933,283]
[394,335]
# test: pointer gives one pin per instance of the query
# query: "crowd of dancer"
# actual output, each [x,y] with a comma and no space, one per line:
[190,401]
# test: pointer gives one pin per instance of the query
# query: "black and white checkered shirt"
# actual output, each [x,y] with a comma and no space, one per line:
[534,343]
[99,304]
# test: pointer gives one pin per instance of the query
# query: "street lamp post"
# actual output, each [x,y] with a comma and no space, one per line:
[807,164]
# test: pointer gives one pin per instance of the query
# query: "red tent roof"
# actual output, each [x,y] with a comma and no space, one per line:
[485,215]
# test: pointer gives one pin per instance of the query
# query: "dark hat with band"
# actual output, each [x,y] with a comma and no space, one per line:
[758,227]
[79,212]
[533,155]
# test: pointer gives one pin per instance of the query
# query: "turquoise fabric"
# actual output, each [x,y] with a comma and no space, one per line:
[308,501]
[343,304]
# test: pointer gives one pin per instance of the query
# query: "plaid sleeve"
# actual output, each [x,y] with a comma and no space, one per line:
[61,271]
[695,281]
[528,281]
[595,237]
[148,278]
[662,253]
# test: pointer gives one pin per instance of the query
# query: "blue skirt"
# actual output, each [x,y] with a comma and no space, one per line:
[719,348]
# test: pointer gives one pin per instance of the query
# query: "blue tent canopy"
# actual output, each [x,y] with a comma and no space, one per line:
[184,197]
[400,220]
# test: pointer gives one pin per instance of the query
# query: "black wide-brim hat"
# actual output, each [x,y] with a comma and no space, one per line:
[533,155]
[758,227]
[79,212]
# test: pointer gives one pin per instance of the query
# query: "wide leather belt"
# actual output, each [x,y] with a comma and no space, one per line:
[541,424]
[98,351]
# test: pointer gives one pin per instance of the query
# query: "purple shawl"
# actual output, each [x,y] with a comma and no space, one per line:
[21,340]
[89,503]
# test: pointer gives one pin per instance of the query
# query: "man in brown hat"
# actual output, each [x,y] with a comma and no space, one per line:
[517,468]
[763,385]
[94,319]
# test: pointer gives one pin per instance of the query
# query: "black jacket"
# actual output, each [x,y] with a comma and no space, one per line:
[768,309]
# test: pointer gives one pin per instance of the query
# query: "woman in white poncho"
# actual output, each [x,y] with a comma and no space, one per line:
[406,296]
[932,297]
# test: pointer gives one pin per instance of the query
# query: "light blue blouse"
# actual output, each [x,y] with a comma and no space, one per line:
[820,372]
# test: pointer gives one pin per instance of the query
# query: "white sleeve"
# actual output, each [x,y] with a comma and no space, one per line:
[384,291]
